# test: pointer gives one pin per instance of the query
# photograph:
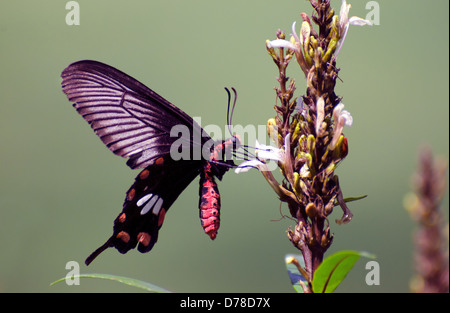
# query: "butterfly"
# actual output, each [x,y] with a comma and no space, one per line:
[136,123]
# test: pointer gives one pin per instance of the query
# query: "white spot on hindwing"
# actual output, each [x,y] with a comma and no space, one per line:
[149,205]
[158,207]
[153,202]
[144,199]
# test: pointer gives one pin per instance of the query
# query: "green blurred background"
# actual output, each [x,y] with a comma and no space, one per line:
[60,188]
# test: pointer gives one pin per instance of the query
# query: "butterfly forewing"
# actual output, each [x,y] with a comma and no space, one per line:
[132,121]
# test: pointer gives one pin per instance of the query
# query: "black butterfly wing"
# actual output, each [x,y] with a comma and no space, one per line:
[135,122]
[146,203]
[132,120]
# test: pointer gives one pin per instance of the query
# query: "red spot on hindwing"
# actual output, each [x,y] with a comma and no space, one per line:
[124,236]
[144,174]
[144,238]
[161,216]
[131,194]
[122,218]
[159,161]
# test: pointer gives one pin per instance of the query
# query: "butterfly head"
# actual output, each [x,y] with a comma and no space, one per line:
[223,150]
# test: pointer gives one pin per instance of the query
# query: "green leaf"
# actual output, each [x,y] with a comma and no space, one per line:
[293,262]
[121,279]
[351,199]
[334,269]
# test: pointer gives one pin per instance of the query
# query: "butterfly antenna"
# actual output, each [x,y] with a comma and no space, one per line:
[230,114]
[228,107]
[234,105]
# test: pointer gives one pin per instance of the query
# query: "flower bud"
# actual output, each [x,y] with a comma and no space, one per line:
[314,42]
[311,210]
[305,156]
[341,150]
[305,17]
[303,187]
[305,33]
[290,259]
[344,147]
[334,28]
[302,142]
[330,50]
[272,130]
[297,130]
[296,182]
[320,111]
[326,239]
[271,50]
[331,14]
[311,143]
[329,206]
[330,169]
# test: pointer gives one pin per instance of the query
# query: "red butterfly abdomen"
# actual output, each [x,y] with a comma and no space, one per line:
[209,204]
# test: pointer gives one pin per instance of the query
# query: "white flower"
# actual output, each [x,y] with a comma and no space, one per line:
[281,43]
[345,22]
[341,118]
[294,44]
[268,152]
[347,117]
[247,165]
[264,153]
[299,43]
[304,171]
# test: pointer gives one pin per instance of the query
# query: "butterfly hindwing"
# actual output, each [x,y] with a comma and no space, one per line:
[146,203]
